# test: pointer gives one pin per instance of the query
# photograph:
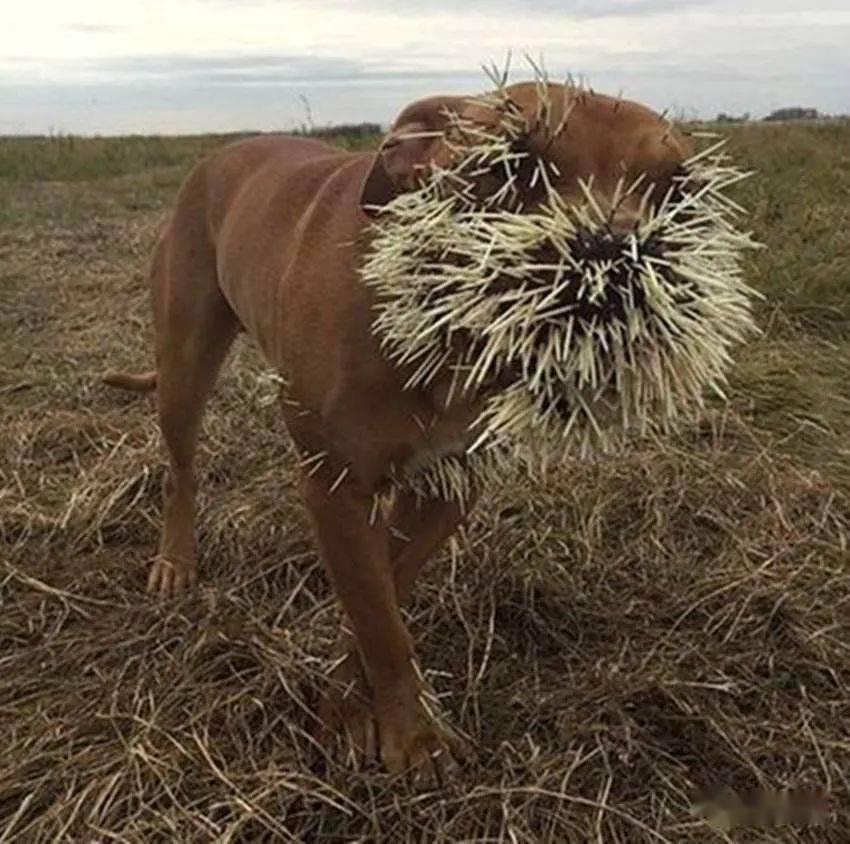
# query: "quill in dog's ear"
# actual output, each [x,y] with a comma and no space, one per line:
[407,151]
[396,162]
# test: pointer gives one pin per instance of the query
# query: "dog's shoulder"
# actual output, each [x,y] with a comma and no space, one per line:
[273,161]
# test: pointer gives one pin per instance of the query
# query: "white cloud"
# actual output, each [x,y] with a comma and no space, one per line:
[107,65]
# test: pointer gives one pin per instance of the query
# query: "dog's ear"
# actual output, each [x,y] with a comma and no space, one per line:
[403,152]
[407,150]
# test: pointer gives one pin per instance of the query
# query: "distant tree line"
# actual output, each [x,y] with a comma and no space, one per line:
[351,130]
[795,113]
[731,118]
[791,113]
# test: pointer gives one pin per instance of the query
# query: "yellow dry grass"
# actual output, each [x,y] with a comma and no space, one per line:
[633,631]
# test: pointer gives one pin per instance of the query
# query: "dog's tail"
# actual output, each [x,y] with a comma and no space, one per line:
[143,383]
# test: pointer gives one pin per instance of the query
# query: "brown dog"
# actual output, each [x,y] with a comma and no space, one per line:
[267,237]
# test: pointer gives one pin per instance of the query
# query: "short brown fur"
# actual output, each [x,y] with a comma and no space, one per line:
[267,237]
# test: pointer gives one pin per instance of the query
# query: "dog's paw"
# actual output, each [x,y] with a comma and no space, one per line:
[171,578]
[418,744]
[351,737]
[346,723]
[402,731]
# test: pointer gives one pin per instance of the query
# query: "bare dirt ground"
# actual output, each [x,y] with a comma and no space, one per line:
[633,631]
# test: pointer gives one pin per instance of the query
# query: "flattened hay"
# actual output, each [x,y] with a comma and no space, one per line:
[618,635]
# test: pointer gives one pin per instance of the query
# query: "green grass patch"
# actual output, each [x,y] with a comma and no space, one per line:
[799,196]
[70,158]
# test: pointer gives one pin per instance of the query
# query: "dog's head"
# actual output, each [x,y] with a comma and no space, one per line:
[564,250]
[577,136]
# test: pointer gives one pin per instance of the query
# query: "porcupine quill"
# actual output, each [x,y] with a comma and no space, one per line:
[604,338]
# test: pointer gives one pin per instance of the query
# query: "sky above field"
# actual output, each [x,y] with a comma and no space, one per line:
[143,66]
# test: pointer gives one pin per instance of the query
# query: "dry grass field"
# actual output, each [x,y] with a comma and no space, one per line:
[636,630]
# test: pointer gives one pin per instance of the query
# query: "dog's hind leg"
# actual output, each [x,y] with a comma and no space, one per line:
[418,530]
[195,328]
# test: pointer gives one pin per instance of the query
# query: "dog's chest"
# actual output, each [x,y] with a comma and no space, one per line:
[447,469]
[432,453]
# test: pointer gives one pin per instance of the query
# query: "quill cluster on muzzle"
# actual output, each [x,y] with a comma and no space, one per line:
[575,333]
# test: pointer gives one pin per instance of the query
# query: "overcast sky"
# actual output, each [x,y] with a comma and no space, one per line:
[116,66]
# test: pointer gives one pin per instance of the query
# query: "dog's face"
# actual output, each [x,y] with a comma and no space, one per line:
[563,253]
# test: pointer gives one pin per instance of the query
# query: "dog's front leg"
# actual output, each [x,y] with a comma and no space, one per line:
[357,556]
[418,528]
